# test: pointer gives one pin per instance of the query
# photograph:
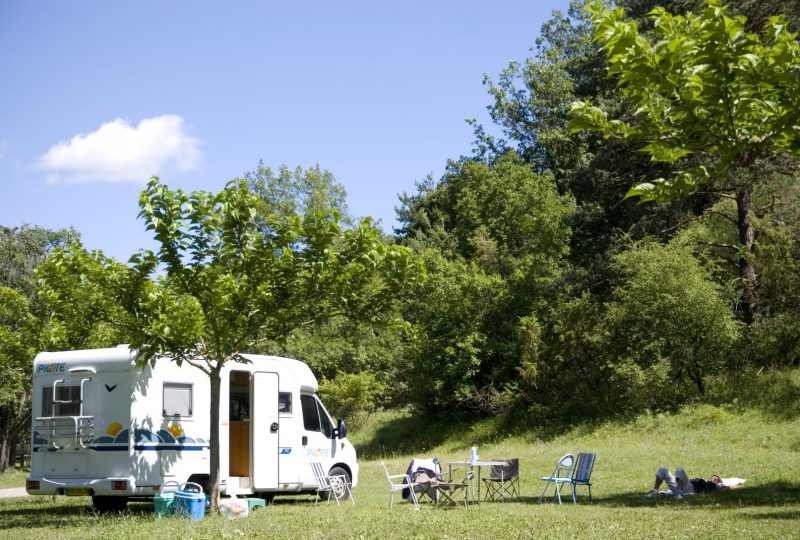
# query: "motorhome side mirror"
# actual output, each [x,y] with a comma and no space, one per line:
[341,429]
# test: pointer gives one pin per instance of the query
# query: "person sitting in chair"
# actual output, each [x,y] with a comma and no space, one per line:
[680,484]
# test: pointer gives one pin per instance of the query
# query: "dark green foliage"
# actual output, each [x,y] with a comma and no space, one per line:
[570,377]
[343,346]
[530,101]
[667,328]
[573,319]
[504,216]
[757,12]
[495,236]
[451,345]
[774,342]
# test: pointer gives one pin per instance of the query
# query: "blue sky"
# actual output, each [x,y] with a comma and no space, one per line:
[97,96]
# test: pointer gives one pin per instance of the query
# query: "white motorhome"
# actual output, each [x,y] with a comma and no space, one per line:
[102,426]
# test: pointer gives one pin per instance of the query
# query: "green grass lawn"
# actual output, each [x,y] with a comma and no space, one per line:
[760,447]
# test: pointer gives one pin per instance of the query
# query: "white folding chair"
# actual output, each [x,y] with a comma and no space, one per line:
[562,474]
[335,487]
[404,483]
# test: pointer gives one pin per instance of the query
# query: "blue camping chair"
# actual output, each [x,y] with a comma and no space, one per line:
[582,474]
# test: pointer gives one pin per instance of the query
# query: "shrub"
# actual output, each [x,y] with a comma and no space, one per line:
[352,395]
[667,327]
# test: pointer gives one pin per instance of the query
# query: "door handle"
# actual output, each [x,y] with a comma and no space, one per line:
[274,427]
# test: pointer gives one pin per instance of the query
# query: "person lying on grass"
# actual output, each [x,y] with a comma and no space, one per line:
[680,484]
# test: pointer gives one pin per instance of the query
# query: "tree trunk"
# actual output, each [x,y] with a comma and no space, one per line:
[6,445]
[215,380]
[747,270]
[13,419]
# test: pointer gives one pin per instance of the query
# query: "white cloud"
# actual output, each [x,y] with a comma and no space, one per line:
[120,152]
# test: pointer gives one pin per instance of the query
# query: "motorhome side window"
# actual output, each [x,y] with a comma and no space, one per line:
[177,399]
[314,416]
[67,401]
[285,402]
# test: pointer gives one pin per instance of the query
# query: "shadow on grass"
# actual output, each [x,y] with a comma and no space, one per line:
[406,435]
[778,494]
[419,433]
[43,513]
[776,515]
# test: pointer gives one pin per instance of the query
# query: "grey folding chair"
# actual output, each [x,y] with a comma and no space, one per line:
[453,493]
[503,481]
[562,474]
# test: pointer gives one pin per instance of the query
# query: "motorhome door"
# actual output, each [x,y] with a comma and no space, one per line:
[265,430]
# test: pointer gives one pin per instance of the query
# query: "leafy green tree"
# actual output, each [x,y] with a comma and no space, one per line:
[21,337]
[297,191]
[22,250]
[531,98]
[24,325]
[530,103]
[83,310]
[570,351]
[343,346]
[773,340]
[506,217]
[336,346]
[495,236]
[452,343]
[710,100]
[226,278]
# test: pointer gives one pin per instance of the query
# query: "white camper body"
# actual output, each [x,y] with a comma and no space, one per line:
[104,427]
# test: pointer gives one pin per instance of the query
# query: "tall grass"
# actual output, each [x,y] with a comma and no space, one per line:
[762,447]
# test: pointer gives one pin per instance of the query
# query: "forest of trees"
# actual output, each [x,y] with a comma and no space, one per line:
[626,232]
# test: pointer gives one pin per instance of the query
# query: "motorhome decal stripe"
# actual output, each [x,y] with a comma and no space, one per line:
[161,447]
